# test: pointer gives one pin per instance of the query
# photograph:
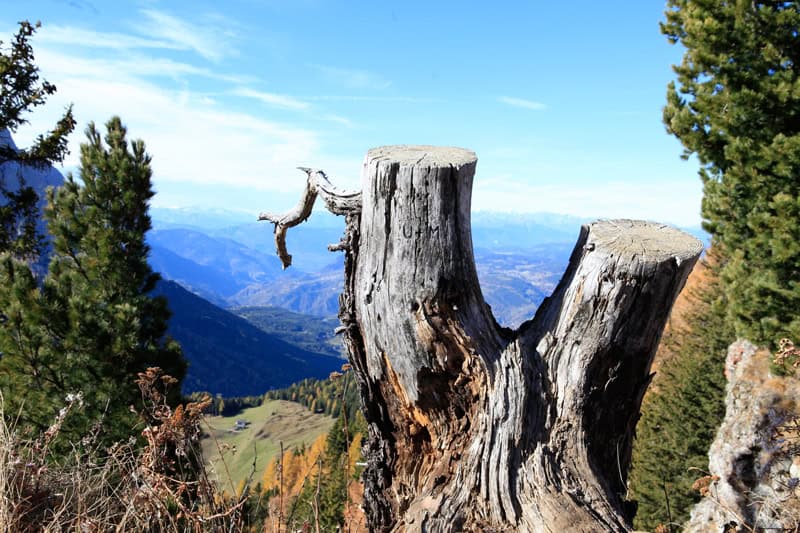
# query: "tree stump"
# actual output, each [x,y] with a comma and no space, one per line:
[473,426]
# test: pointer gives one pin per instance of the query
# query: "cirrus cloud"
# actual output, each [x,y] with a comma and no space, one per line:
[523,103]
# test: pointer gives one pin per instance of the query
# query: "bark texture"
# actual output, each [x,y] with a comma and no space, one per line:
[474,426]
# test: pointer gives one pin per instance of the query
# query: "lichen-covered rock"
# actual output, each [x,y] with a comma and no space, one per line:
[753,483]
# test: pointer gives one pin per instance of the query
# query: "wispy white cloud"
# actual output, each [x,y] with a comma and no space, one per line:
[158,30]
[523,103]
[353,78]
[193,138]
[368,98]
[131,66]
[70,35]
[212,41]
[344,121]
[277,100]
[288,102]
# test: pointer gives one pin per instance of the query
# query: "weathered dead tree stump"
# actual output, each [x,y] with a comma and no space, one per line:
[473,426]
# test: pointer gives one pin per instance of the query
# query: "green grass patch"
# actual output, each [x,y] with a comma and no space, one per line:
[270,424]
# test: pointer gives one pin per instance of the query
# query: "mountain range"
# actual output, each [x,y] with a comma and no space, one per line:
[230,261]
[227,354]
[519,259]
[246,325]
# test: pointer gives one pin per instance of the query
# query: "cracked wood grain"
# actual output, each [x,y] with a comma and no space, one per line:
[472,426]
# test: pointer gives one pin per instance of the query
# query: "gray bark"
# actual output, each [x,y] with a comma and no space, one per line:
[338,202]
[474,426]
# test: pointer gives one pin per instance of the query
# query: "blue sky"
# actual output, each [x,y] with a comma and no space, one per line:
[560,101]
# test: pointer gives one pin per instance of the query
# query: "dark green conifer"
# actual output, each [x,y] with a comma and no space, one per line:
[93,324]
[20,91]
[736,105]
[681,415]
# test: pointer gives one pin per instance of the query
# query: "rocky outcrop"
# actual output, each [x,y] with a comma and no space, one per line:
[754,462]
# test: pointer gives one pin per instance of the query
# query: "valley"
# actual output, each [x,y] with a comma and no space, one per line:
[230,356]
[236,453]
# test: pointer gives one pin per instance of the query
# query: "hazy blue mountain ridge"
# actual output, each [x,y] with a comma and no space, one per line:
[520,259]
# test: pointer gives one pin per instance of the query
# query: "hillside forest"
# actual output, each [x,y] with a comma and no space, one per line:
[155,376]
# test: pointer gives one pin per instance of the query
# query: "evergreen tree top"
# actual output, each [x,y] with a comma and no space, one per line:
[21,90]
[736,105]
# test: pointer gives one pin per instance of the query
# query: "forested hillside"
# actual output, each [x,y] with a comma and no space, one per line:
[230,356]
[310,333]
[684,406]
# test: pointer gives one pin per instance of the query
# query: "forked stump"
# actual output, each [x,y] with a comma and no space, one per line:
[474,426]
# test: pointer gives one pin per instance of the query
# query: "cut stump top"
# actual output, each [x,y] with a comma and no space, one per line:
[421,155]
[647,242]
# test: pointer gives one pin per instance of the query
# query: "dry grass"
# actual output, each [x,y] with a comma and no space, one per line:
[127,487]
[159,483]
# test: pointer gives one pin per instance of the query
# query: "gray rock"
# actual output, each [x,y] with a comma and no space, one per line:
[755,486]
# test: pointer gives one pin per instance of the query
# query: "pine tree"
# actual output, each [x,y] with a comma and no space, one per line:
[20,92]
[681,414]
[737,107]
[92,326]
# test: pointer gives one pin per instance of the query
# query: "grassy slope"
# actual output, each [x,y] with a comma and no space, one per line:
[679,318]
[273,422]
